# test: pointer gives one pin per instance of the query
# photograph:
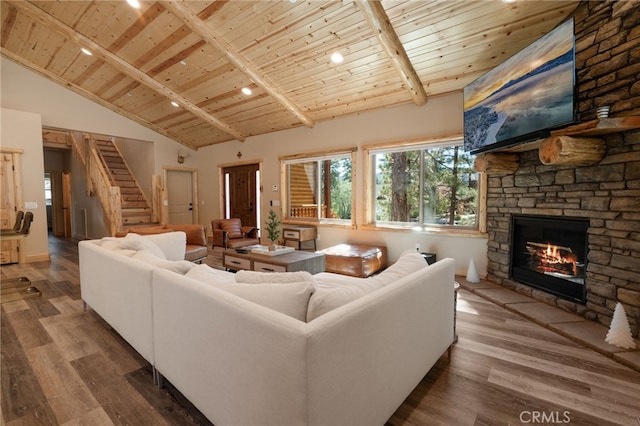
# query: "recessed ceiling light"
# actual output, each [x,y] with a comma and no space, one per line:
[175,104]
[508,1]
[337,58]
[86,51]
[183,63]
[246,91]
[134,3]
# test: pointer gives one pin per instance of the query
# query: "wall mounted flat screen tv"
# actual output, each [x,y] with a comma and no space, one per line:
[525,97]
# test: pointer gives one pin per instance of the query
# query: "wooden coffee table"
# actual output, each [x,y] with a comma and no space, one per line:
[289,262]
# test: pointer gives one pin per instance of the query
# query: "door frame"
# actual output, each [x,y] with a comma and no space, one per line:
[164,216]
[221,200]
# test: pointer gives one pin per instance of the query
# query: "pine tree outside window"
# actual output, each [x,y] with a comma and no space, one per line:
[424,185]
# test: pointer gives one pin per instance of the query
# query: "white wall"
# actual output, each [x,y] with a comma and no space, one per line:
[58,107]
[440,116]
[23,130]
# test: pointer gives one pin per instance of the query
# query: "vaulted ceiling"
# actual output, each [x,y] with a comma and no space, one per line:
[201,54]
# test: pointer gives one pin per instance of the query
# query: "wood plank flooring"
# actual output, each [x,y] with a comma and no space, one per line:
[62,365]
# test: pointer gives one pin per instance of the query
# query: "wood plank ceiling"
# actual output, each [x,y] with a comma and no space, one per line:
[201,54]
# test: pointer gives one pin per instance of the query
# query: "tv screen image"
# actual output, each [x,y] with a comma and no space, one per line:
[524,97]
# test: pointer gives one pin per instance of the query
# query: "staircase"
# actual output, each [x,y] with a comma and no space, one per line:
[134,205]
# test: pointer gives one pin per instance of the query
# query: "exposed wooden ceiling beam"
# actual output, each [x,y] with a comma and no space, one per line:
[82,92]
[201,28]
[123,66]
[379,22]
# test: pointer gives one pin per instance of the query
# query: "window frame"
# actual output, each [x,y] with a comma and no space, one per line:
[286,160]
[369,220]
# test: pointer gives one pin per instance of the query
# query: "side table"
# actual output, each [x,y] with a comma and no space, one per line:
[300,234]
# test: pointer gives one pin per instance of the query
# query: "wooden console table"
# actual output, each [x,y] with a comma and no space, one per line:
[288,262]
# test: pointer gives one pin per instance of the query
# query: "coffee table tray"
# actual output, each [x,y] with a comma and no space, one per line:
[264,250]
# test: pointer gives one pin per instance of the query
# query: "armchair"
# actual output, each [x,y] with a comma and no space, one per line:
[229,233]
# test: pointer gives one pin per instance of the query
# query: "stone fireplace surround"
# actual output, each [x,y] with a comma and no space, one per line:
[607,193]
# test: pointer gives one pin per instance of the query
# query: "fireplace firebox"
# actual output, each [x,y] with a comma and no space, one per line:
[550,253]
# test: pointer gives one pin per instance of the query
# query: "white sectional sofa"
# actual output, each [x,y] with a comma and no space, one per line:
[353,353]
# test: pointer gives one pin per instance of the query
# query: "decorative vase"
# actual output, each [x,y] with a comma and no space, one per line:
[272,247]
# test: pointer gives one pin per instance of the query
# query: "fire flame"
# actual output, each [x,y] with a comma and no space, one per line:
[552,256]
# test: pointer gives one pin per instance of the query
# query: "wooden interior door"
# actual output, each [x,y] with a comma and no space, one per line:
[8,204]
[240,193]
[180,197]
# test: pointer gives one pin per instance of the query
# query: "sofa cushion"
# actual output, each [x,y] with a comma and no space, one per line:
[178,266]
[253,277]
[333,290]
[233,227]
[290,299]
[173,244]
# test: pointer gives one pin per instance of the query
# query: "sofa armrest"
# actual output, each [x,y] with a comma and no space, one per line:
[250,231]
[219,238]
[195,233]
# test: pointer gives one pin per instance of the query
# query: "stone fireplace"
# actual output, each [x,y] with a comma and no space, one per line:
[604,195]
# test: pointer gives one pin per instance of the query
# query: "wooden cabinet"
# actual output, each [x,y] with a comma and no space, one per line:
[10,201]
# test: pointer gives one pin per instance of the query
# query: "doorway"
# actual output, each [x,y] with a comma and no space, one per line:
[182,205]
[57,190]
[242,193]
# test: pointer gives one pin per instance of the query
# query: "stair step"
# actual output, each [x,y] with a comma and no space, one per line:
[125,183]
[136,219]
[136,211]
[130,191]
[134,204]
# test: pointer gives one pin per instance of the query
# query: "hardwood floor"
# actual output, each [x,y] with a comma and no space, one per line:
[63,365]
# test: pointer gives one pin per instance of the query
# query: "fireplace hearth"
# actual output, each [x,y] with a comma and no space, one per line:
[549,253]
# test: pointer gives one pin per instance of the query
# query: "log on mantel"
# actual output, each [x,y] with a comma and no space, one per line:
[497,163]
[571,151]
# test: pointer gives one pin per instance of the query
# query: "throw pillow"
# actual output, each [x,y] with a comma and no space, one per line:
[138,243]
[333,291]
[172,244]
[327,297]
[253,277]
[409,262]
[178,266]
[290,299]
[209,275]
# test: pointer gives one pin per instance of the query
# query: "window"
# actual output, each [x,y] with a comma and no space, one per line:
[425,185]
[47,188]
[319,188]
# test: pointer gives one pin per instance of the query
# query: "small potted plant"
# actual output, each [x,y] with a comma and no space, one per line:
[273,229]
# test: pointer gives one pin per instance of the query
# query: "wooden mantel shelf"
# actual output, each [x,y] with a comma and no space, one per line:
[604,126]
[575,145]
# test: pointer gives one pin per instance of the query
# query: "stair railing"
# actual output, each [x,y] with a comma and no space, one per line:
[98,183]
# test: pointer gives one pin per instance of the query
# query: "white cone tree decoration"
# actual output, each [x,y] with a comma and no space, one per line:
[619,332]
[472,273]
